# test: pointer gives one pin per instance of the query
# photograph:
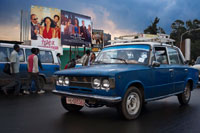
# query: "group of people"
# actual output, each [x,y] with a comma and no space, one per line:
[97,38]
[48,28]
[88,59]
[70,27]
[33,64]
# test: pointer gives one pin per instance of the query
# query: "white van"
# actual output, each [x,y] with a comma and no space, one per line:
[47,57]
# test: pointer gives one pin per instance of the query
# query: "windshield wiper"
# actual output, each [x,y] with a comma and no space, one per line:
[120,60]
[99,62]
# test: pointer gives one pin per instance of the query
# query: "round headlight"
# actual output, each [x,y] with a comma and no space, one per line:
[106,84]
[96,83]
[60,80]
[66,81]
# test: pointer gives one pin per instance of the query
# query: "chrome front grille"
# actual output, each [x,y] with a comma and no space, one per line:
[80,82]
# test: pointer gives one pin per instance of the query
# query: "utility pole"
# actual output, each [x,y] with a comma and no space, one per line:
[21,25]
[186,33]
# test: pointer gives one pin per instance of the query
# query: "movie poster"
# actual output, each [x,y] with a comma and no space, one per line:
[75,29]
[97,38]
[45,27]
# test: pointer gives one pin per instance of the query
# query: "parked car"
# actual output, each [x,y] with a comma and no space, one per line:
[197,66]
[126,76]
[47,56]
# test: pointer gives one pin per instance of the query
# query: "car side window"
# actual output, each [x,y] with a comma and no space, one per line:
[46,56]
[3,54]
[161,55]
[173,56]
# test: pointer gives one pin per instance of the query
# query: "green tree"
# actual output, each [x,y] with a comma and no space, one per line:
[153,29]
[195,48]
[191,26]
[178,28]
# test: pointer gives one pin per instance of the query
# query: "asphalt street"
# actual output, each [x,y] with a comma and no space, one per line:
[45,114]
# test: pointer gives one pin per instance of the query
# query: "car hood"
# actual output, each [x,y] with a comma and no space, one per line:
[101,70]
[197,66]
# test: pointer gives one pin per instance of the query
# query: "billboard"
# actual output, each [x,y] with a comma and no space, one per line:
[106,38]
[45,27]
[97,38]
[75,29]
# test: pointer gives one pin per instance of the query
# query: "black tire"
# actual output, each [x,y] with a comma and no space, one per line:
[184,97]
[70,107]
[41,82]
[133,96]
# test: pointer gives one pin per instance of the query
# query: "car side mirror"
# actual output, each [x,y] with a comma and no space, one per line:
[155,64]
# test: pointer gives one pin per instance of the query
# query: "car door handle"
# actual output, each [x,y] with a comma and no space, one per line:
[171,70]
[186,70]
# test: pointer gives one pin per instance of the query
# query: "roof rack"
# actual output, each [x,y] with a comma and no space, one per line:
[160,38]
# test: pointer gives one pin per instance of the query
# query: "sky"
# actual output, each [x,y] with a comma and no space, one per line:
[117,17]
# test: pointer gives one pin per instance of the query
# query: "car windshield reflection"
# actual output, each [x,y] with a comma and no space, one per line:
[123,56]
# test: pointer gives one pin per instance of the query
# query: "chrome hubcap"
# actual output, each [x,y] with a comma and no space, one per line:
[133,103]
[187,92]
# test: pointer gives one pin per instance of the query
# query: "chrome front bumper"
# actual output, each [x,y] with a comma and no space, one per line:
[109,99]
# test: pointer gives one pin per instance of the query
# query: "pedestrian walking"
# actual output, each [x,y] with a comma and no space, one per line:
[86,58]
[59,61]
[72,64]
[33,70]
[92,59]
[15,65]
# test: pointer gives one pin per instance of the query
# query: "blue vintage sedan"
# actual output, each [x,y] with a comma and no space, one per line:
[126,76]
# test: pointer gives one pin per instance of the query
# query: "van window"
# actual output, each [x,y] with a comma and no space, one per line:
[21,54]
[46,56]
[3,54]
[28,52]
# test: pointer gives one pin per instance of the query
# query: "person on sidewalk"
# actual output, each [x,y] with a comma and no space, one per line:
[33,70]
[59,61]
[86,58]
[15,65]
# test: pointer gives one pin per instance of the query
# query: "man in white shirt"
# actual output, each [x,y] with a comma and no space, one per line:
[15,65]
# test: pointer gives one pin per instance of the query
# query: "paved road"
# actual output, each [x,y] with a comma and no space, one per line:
[44,114]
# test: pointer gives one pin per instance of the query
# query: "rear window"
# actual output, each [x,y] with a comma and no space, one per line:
[174,56]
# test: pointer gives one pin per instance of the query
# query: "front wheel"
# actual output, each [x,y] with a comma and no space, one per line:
[70,107]
[131,105]
[184,97]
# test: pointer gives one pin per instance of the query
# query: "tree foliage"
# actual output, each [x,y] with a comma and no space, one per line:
[153,29]
[187,29]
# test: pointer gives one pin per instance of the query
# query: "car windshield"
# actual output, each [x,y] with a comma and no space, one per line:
[127,54]
[197,61]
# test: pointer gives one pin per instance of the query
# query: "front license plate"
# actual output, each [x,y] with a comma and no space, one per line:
[76,101]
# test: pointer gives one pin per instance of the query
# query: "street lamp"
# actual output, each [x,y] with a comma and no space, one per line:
[185,33]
